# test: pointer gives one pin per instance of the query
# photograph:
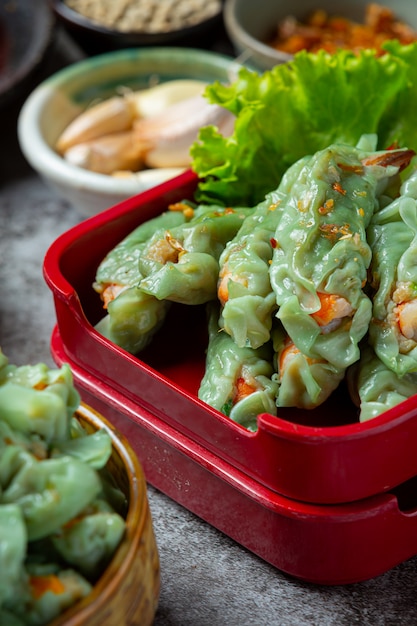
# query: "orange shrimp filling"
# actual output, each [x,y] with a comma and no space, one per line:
[109,293]
[243,389]
[222,289]
[41,584]
[332,307]
[223,286]
[288,353]
[406,317]
[327,306]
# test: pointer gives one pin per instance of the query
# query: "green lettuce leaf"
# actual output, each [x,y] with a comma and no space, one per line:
[299,108]
[398,121]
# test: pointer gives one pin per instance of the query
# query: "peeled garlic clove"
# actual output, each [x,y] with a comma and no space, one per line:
[164,155]
[152,101]
[118,151]
[150,178]
[168,136]
[110,116]
[180,118]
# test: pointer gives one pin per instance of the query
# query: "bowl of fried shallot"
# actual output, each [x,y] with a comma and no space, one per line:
[267,33]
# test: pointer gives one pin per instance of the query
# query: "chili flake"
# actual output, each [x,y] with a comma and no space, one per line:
[338,187]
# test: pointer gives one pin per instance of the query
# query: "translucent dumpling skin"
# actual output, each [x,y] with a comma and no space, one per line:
[52,479]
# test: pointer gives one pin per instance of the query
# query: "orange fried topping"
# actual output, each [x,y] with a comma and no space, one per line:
[353,168]
[399,158]
[334,231]
[326,207]
[338,187]
[322,31]
[183,207]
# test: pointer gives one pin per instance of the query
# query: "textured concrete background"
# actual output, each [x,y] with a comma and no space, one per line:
[207,579]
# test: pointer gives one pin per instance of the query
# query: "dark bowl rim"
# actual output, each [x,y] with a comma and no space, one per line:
[236,31]
[13,84]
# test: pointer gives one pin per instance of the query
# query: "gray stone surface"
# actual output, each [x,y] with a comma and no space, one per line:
[207,579]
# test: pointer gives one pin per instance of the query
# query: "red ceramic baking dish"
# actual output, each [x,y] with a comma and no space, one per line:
[323,544]
[320,456]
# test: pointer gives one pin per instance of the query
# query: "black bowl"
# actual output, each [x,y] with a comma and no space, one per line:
[96,39]
[26,29]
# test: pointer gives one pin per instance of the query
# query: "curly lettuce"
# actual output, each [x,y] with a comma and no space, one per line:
[299,108]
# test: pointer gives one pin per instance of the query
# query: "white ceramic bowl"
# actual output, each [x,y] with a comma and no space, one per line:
[250,24]
[61,97]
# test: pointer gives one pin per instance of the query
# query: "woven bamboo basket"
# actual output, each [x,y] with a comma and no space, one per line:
[127,593]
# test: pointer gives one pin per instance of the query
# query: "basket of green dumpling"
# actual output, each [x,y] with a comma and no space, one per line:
[76,537]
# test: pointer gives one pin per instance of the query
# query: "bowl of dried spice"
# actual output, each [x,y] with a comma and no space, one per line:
[113,24]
